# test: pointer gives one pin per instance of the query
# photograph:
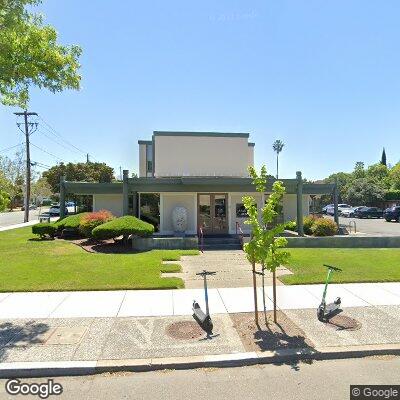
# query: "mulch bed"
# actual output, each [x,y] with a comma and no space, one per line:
[104,246]
[285,334]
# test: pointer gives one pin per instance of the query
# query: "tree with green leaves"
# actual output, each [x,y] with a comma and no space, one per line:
[12,171]
[383,158]
[265,246]
[86,172]
[31,55]
[278,147]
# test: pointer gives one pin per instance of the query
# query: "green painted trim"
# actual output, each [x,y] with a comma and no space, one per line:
[251,144]
[145,142]
[154,156]
[93,188]
[188,184]
[200,134]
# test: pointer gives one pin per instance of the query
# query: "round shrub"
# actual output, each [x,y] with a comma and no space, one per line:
[44,229]
[123,226]
[291,225]
[324,227]
[89,221]
[70,222]
[308,223]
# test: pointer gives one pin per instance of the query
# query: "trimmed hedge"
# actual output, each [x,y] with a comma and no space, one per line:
[70,222]
[44,229]
[324,227]
[123,226]
[308,223]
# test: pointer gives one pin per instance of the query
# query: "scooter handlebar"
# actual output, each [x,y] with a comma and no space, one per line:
[332,267]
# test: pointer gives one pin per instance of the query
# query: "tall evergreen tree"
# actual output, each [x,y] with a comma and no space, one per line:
[383,158]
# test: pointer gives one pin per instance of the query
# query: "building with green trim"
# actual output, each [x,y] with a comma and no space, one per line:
[203,172]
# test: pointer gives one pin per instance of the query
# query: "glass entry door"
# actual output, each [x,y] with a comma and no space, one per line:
[212,213]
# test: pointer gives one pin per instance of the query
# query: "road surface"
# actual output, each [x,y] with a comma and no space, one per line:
[17,217]
[318,380]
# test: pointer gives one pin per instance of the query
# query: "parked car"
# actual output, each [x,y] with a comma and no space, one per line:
[392,213]
[31,207]
[70,206]
[349,212]
[369,212]
[331,208]
[325,209]
[55,211]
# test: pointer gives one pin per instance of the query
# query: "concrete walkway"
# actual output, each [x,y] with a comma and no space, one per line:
[147,303]
[232,267]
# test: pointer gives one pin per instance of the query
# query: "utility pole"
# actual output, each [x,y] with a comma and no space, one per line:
[87,158]
[30,127]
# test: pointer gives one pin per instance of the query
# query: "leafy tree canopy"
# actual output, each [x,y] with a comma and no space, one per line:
[31,55]
[87,172]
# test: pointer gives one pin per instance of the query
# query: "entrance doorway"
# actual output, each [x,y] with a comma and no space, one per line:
[212,213]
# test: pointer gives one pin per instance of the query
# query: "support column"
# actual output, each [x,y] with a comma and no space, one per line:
[135,197]
[125,194]
[299,179]
[62,196]
[335,202]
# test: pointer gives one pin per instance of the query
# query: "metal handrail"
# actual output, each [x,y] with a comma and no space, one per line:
[201,236]
[239,232]
[355,226]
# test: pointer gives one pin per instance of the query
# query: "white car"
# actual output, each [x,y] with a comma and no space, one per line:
[349,212]
[330,210]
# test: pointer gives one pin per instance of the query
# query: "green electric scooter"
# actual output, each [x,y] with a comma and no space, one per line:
[325,311]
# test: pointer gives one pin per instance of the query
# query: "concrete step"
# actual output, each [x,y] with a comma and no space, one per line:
[222,246]
[222,240]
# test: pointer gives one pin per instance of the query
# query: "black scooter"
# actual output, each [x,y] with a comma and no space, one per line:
[325,311]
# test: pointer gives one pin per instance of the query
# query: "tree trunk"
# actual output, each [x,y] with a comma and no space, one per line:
[274,291]
[255,293]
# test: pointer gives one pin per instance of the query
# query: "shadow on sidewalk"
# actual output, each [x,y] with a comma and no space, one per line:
[281,338]
[20,335]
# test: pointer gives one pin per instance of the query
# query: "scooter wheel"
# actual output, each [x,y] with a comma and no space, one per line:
[320,315]
[338,301]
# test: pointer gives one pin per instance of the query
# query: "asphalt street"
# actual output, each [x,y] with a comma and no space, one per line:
[17,217]
[318,380]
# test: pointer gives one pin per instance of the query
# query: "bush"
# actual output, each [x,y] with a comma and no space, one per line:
[123,226]
[291,225]
[324,227]
[44,229]
[308,223]
[70,222]
[89,221]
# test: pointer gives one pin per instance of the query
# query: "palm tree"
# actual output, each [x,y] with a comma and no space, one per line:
[278,147]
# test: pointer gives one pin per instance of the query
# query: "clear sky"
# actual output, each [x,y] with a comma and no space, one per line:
[323,76]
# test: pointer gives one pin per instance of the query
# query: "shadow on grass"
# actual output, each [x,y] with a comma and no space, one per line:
[14,336]
[38,239]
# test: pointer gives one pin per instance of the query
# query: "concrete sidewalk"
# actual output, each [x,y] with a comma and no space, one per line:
[28,346]
[151,303]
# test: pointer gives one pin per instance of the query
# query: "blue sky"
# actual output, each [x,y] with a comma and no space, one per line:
[323,76]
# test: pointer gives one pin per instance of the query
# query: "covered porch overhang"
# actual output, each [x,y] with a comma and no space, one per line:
[133,186]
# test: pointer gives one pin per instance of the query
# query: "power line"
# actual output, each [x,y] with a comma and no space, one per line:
[47,152]
[54,132]
[10,148]
[55,141]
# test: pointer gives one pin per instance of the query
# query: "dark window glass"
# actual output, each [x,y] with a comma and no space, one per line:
[149,166]
[241,211]
[150,209]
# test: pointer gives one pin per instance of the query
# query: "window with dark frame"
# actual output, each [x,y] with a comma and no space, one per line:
[241,211]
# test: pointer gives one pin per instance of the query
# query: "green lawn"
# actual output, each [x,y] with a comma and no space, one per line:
[359,265]
[54,265]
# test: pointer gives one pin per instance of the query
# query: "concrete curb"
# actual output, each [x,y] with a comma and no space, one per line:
[74,368]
